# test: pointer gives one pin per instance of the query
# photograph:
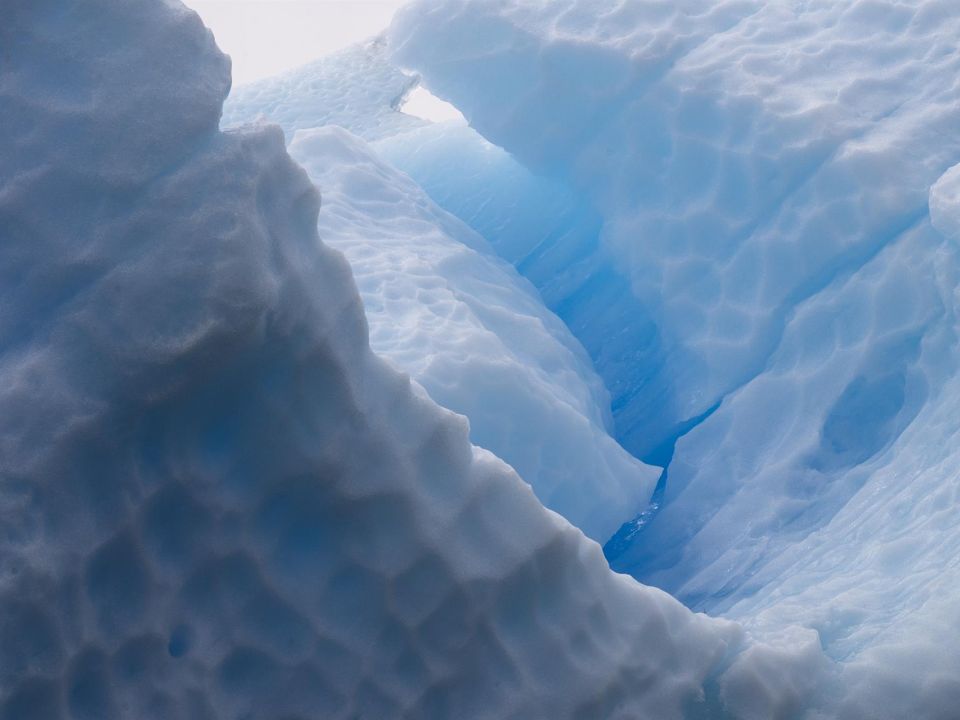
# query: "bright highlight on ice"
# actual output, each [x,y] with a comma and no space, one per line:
[420,103]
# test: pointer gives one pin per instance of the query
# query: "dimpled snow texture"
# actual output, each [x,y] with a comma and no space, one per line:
[728,145]
[551,235]
[356,88]
[764,173]
[474,334]
[216,502]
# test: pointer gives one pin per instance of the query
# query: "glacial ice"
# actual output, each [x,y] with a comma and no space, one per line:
[775,182]
[216,501]
[552,236]
[501,358]
[441,306]
[713,130]
[464,325]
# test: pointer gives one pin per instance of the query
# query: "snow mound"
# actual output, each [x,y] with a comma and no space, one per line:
[475,335]
[216,501]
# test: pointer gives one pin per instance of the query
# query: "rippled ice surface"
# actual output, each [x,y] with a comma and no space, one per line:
[721,234]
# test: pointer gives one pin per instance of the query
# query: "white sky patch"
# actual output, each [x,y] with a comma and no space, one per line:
[266,37]
[422,103]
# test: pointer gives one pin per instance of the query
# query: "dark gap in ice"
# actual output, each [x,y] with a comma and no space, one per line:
[662,455]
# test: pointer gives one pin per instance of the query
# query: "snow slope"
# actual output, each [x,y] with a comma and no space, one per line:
[216,502]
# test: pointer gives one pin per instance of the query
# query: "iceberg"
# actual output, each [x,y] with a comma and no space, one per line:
[775,184]
[546,230]
[276,458]
[216,500]
[441,304]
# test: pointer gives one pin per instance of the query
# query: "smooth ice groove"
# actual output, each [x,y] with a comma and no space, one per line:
[216,501]
[551,234]
[476,336]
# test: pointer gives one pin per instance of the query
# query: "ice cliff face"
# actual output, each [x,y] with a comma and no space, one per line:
[216,502]
[714,131]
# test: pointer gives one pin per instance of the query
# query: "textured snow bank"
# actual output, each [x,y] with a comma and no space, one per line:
[763,172]
[216,502]
[474,334]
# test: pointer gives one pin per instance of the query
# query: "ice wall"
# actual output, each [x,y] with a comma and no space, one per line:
[774,180]
[548,231]
[551,234]
[216,501]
